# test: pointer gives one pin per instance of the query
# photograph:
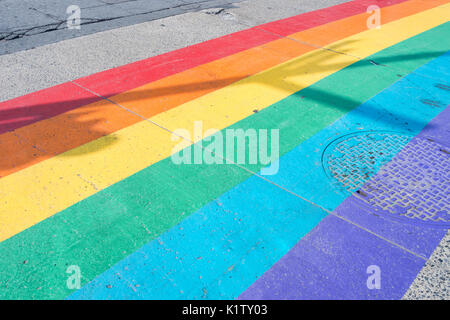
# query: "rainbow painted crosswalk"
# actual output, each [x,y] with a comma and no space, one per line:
[88,184]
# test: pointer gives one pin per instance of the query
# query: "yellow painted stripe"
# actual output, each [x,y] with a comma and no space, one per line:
[39,191]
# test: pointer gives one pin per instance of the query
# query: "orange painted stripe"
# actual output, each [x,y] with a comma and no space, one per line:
[42,140]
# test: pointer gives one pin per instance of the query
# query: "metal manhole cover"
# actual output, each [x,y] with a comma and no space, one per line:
[394,174]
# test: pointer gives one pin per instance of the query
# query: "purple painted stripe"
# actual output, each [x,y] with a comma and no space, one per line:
[331,262]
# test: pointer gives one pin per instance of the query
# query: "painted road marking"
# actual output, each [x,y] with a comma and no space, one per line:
[134,206]
[252,226]
[66,179]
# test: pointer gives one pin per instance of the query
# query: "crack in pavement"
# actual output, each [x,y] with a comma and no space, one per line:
[58,25]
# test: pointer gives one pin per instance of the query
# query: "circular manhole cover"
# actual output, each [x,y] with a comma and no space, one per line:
[393,174]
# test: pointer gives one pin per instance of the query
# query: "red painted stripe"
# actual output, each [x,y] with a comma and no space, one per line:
[41,105]
[52,101]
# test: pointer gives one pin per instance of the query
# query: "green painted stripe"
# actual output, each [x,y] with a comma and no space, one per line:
[101,230]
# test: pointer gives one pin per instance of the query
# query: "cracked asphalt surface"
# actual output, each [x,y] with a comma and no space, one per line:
[31,23]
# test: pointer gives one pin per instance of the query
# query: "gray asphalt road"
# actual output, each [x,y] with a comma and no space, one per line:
[26,24]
